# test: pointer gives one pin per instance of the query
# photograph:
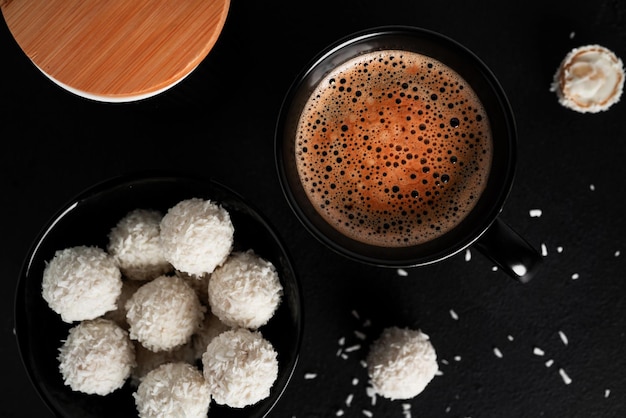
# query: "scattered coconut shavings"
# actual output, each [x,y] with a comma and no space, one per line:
[565,377]
[494,268]
[575,276]
[444,361]
[438,373]
[617,253]
[367,323]
[468,255]
[563,337]
[349,400]
[355,314]
[572,34]
[454,315]
[457,358]
[310,376]
[406,410]
[607,393]
[402,272]
[535,213]
[549,363]
[339,413]
[592,187]
[544,250]
[538,351]
[363,364]
[510,337]
[497,352]
[367,413]
[559,249]
[355,381]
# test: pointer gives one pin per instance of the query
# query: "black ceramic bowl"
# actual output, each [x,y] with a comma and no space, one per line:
[87,220]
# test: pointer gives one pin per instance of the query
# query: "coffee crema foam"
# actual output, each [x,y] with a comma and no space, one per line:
[393,148]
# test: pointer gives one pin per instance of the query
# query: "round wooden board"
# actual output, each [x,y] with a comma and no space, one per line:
[116,50]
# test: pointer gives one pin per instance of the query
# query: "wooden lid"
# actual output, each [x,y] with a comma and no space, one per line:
[115,50]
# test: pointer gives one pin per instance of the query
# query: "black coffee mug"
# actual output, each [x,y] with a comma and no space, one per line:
[481,227]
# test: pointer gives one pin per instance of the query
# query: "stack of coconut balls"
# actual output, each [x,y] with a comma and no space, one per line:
[170,305]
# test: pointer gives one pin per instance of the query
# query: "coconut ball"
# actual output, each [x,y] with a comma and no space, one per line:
[136,245]
[198,283]
[81,283]
[173,390]
[196,236]
[590,79]
[147,360]
[164,313]
[97,357]
[240,367]
[401,363]
[129,287]
[245,291]
[210,328]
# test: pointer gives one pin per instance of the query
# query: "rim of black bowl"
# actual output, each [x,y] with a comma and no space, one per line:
[239,208]
[473,226]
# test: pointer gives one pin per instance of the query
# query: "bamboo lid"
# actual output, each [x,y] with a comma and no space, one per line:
[115,50]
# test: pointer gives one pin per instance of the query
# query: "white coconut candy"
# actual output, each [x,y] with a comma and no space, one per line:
[590,79]
[129,287]
[401,363]
[81,283]
[245,291]
[97,357]
[240,367]
[210,328]
[147,360]
[173,390]
[164,313]
[134,242]
[196,236]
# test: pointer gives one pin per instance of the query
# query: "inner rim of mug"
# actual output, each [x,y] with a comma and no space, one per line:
[484,84]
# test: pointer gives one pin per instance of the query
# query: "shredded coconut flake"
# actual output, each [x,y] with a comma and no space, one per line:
[565,377]
[468,255]
[454,315]
[544,250]
[535,213]
[497,352]
[563,337]
[402,272]
[310,376]
[549,363]
[538,351]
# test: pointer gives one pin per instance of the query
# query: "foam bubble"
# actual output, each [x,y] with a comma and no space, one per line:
[393,148]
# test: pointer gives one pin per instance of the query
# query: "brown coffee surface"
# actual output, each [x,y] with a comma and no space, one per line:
[393,148]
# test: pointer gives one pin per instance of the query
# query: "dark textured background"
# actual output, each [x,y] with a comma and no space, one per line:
[220,122]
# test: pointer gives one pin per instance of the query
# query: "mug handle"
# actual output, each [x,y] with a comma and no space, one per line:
[512,253]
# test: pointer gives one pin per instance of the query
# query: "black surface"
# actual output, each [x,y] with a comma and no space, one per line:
[221,121]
